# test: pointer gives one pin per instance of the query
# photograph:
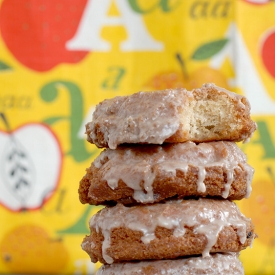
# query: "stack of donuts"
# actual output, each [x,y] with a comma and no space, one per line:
[168,178]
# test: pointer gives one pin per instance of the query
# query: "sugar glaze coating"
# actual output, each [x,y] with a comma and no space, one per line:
[205,216]
[173,115]
[141,167]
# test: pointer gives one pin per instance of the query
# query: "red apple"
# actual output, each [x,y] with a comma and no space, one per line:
[268,53]
[36,31]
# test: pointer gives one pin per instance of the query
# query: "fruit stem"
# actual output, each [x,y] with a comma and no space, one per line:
[53,240]
[4,118]
[2,115]
[182,65]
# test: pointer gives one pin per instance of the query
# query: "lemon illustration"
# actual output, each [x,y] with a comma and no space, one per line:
[28,249]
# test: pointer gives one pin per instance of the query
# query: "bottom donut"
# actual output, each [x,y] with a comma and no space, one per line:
[216,264]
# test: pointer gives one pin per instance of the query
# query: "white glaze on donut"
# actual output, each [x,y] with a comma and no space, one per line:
[136,165]
[205,216]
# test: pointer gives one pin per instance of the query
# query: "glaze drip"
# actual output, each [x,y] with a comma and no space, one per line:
[136,166]
[205,216]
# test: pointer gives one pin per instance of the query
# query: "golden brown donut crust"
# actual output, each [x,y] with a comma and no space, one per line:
[204,114]
[93,190]
[226,159]
[127,246]
[119,231]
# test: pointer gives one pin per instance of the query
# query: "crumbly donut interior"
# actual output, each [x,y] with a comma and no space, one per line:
[207,118]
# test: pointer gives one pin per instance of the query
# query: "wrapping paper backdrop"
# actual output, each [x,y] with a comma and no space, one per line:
[58,59]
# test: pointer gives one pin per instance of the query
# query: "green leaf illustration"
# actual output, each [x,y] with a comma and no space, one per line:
[209,49]
[4,66]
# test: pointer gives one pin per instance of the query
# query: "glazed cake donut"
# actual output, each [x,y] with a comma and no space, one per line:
[152,173]
[167,231]
[217,264]
[173,115]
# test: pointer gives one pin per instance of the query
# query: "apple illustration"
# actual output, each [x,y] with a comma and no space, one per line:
[267,51]
[36,31]
[30,165]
